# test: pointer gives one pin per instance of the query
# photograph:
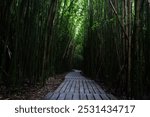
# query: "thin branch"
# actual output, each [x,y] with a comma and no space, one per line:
[115,11]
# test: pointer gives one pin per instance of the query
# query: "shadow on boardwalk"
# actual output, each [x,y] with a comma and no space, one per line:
[77,87]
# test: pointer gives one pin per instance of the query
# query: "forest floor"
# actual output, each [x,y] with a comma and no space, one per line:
[35,92]
[38,92]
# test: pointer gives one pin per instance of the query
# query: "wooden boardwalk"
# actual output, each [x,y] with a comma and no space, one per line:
[77,87]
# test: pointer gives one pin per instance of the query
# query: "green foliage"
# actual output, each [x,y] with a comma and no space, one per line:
[71,25]
[107,46]
[23,51]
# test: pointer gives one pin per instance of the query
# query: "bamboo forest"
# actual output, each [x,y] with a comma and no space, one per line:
[108,40]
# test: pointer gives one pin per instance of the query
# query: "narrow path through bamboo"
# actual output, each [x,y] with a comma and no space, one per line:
[77,87]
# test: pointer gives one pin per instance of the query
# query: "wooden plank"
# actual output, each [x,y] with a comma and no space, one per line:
[85,87]
[48,96]
[69,96]
[78,71]
[97,97]
[74,78]
[104,96]
[81,87]
[69,86]
[83,96]
[94,87]
[54,96]
[73,87]
[64,86]
[76,96]
[88,82]
[99,88]
[77,86]
[69,75]
[62,96]
[90,97]
[111,97]
[60,87]
[76,74]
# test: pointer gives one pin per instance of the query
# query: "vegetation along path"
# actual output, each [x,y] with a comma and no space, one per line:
[77,87]
[109,40]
